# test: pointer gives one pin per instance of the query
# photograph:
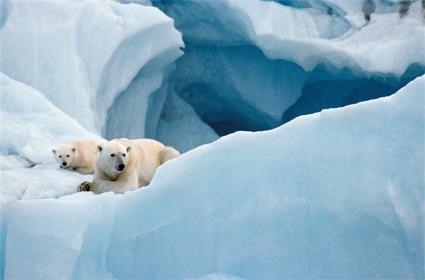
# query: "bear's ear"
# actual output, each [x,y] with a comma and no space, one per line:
[128,148]
[73,150]
[54,151]
[99,148]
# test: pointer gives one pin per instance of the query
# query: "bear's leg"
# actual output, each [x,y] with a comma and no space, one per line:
[100,186]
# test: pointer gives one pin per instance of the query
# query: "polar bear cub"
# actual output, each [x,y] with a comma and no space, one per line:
[78,155]
[124,164]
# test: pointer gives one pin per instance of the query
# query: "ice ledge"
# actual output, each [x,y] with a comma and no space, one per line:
[388,45]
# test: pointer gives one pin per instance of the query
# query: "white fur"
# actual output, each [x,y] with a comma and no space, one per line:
[141,158]
[78,155]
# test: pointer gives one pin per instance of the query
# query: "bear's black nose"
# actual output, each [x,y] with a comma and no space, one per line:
[64,163]
[121,167]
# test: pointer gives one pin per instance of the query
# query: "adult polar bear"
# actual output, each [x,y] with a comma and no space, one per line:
[123,165]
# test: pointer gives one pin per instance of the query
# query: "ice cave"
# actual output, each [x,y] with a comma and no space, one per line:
[301,125]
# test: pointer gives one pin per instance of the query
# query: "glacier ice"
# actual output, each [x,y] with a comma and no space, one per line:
[247,65]
[254,65]
[85,54]
[369,50]
[221,81]
[292,202]
[181,127]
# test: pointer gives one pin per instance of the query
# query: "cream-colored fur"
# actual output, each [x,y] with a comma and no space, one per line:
[78,155]
[138,159]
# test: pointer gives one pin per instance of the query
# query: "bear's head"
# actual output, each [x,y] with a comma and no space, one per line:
[65,155]
[112,158]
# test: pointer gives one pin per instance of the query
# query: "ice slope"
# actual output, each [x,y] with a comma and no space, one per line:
[84,54]
[30,127]
[337,194]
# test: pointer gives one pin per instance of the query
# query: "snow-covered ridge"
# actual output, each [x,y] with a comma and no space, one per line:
[387,45]
[243,206]
[83,54]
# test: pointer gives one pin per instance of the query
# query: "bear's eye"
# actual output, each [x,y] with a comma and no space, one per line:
[60,156]
[67,155]
[112,155]
[123,155]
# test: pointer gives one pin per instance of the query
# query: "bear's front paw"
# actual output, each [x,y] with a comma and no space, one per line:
[84,187]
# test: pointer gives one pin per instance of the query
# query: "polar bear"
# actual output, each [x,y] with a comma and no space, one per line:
[78,155]
[124,164]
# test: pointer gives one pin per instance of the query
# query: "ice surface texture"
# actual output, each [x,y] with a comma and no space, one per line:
[389,45]
[254,65]
[84,54]
[333,194]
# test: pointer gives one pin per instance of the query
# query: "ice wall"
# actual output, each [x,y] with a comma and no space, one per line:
[85,54]
[244,206]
